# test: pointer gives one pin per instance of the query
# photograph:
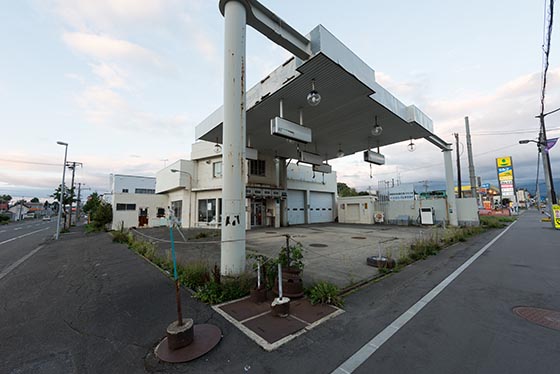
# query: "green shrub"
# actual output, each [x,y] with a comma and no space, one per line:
[4,218]
[201,235]
[230,289]
[194,275]
[492,222]
[122,237]
[325,293]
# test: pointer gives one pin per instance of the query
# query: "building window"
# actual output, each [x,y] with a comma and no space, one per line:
[126,206]
[217,169]
[207,210]
[257,167]
[125,190]
[160,212]
[146,191]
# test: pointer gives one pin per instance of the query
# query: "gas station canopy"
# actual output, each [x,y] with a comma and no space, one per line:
[351,100]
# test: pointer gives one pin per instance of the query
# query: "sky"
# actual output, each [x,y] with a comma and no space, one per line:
[125,82]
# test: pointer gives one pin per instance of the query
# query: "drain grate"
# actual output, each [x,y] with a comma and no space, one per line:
[359,237]
[318,245]
[542,317]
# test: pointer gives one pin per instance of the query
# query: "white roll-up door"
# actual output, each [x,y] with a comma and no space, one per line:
[296,207]
[320,207]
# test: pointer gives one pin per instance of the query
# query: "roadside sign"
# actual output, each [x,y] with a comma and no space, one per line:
[556,211]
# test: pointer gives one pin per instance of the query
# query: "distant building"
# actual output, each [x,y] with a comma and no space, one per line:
[133,184]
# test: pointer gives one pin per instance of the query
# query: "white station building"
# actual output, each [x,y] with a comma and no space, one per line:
[275,196]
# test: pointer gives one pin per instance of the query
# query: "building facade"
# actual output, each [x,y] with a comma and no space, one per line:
[279,193]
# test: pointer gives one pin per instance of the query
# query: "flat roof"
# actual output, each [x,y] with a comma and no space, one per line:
[351,99]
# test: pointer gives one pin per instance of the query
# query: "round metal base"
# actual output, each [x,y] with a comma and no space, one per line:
[206,337]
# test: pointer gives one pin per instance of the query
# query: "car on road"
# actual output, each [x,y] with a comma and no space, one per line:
[46,218]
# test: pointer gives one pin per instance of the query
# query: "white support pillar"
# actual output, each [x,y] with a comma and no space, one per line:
[449,187]
[234,132]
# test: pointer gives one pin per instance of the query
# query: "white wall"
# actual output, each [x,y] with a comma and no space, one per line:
[467,209]
[301,178]
[168,181]
[131,182]
[356,209]
[130,217]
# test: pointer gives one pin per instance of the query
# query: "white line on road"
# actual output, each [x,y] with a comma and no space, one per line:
[18,228]
[7,270]
[374,344]
[23,236]
[2,231]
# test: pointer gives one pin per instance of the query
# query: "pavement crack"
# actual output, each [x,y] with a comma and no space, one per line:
[107,339]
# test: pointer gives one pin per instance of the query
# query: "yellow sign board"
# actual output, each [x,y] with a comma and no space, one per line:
[503,161]
[556,212]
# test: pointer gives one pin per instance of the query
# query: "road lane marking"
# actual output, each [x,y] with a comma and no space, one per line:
[358,358]
[7,270]
[2,231]
[23,236]
[18,228]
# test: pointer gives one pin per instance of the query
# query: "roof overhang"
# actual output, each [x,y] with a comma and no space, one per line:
[351,99]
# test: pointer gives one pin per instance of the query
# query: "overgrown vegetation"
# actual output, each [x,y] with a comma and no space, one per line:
[432,243]
[100,213]
[325,293]
[493,222]
[206,283]
[4,219]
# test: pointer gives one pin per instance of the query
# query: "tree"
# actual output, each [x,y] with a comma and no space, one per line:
[344,190]
[68,194]
[35,200]
[93,202]
[100,212]
[5,198]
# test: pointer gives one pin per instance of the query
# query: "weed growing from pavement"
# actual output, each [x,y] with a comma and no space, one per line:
[324,293]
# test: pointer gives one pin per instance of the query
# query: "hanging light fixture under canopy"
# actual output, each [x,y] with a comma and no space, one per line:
[377,130]
[313,97]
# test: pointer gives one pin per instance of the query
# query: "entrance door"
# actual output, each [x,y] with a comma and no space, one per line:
[143,217]
[257,213]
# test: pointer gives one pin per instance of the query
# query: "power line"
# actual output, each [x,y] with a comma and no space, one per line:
[27,162]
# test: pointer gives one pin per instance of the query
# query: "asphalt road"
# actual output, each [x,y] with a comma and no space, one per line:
[470,326]
[87,305]
[20,238]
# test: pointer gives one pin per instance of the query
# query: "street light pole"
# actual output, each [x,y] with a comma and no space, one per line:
[61,198]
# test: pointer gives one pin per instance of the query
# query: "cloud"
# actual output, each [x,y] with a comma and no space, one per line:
[109,15]
[498,119]
[105,48]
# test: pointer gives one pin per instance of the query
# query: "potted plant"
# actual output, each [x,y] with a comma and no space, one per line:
[291,259]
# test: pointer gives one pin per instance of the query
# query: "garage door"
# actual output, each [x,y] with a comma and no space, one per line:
[296,207]
[320,207]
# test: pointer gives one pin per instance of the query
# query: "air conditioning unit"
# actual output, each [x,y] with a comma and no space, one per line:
[290,130]
[374,157]
[310,158]
[251,154]
[323,168]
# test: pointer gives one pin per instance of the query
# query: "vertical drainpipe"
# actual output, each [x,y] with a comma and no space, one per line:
[234,132]
[449,187]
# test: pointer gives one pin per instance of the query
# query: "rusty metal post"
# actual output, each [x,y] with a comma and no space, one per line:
[234,133]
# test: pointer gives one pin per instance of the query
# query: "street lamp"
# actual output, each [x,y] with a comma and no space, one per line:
[61,198]
[551,194]
[191,181]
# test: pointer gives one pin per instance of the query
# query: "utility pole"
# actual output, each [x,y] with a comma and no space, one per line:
[459,187]
[72,165]
[472,175]
[79,202]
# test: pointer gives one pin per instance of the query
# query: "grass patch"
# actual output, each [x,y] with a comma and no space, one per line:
[228,289]
[325,293]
